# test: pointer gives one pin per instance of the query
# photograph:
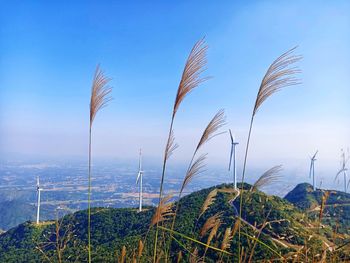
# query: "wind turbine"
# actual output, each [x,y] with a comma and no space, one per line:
[312,170]
[139,180]
[343,170]
[38,191]
[233,156]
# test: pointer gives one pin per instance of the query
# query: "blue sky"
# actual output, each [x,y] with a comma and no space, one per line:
[49,52]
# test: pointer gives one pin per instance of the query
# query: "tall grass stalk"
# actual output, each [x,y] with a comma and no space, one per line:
[191,78]
[196,167]
[280,74]
[100,96]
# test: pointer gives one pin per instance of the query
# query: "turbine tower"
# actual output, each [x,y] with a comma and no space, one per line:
[38,191]
[139,180]
[312,170]
[233,156]
[343,170]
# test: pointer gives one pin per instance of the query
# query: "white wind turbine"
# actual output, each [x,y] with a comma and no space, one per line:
[312,170]
[38,191]
[343,170]
[233,157]
[139,180]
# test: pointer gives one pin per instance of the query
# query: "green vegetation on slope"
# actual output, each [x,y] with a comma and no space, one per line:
[279,227]
[336,209]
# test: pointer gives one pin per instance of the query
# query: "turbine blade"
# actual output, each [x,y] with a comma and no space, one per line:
[140,156]
[231,136]
[138,177]
[313,157]
[231,154]
[310,172]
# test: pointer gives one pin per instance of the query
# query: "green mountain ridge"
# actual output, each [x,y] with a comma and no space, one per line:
[286,230]
[336,207]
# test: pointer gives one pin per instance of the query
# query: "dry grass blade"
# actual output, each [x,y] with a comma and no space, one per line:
[325,197]
[140,248]
[191,76]
[268,177]
[100,93]
[227,239]
[280,74]
[196,168]
[210,223]
[171,146]
[179,257]
[208,201]
[213,126]
[123,255]
[163,211]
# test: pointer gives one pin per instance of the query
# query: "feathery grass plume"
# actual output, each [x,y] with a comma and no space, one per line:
[163,211]
[210,223]
[100,93]
[270,176]
[227,239]
[208,201]
[236,227]
[213,126]
[123,255]
[191,76]
[213,233]
[100,96]
[196,168]
[140,249]
[171,145]
[190,79]
[279,75]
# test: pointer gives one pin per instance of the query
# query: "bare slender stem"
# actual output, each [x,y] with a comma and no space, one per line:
[161,191]
[177,208]
[242,186]
[89,200]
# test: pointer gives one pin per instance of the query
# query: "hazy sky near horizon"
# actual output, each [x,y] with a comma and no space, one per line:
[49,52]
